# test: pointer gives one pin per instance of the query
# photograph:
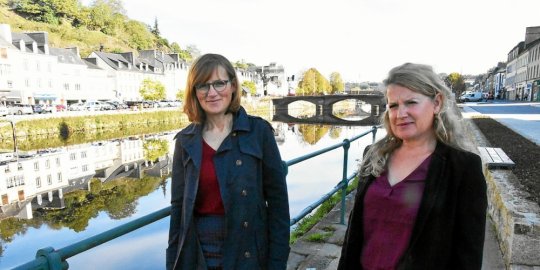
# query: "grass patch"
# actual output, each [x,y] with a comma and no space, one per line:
[318,237]
[309,221]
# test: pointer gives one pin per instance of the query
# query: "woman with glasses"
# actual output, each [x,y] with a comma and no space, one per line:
[421,197]
[229,202]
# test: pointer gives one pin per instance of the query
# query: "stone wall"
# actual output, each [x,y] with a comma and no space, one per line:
[516,219]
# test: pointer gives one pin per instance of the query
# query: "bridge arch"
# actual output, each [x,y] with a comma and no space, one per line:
[324,108]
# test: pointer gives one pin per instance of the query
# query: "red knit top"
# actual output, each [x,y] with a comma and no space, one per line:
[208,200]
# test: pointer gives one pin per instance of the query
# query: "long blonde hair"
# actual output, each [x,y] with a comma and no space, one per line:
[447,124]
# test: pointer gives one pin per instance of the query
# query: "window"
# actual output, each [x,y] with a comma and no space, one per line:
[27,82]
[72,156]
[66,86]
[19,167]
[49,179]
[47,164]
[83,154]
[58,162]
[10,84]
[77,86]
[59,176]
[84,168]
[36,166]
[3,53]
[38,181]
[15,181]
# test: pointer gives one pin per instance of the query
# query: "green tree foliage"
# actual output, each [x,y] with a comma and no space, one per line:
[311,134]
[336,83]
[106,16]
[251,86]
[313,83]
[139,37]
[180,94]
[153,149]
[456,83]
[152,90]
[241,64]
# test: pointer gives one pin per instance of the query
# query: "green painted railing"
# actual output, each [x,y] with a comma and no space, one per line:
[50,259]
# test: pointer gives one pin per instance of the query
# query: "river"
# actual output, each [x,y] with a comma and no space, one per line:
[112,205]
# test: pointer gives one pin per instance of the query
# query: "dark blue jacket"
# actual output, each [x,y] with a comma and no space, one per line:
[450,225]
[253,189]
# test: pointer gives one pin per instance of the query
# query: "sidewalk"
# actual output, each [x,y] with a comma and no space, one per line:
[307,255]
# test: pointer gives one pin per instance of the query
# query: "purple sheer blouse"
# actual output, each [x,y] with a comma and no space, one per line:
[389,216]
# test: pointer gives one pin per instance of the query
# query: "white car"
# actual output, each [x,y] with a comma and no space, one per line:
[19,108]
[471,96]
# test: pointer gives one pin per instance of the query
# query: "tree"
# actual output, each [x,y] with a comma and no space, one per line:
[155,30]
[251,86]
[152,90]
[336,83]
[456,83]
[313,83]
[180,95]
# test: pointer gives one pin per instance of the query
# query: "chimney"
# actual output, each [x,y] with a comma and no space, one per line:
[75,50]
[5,32]
[531,34]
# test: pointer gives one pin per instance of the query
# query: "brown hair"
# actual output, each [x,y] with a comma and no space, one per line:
[199,73]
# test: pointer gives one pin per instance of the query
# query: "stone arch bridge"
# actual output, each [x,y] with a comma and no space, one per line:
[324,107]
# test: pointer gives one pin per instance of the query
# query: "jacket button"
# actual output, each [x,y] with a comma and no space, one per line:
[244,193]
[246,224]
[238,162]
[234,134]
[247,254]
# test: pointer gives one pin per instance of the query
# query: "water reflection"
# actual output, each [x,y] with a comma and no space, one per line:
[78,191]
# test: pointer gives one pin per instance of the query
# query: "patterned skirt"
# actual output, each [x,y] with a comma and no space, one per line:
[211,233]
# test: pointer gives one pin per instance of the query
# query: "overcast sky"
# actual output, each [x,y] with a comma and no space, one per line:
[360,39]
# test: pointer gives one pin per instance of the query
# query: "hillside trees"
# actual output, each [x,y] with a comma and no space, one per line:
[105,16]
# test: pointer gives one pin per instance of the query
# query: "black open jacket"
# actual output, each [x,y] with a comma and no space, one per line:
[450,225]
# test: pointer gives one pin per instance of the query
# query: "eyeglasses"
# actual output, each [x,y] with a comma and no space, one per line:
[218,85]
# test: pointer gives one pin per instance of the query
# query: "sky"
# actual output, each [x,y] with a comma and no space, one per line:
[360,39]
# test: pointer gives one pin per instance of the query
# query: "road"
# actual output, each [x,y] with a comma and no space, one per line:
[523,118]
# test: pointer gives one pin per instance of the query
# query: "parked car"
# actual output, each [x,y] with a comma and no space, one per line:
[471,96]
[76,107]
[117,105]
[3,110]
[19,108]
[60,107]
[43,108]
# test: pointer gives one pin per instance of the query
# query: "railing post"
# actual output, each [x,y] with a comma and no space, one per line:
[374,129]
[346,145]
[285,167]
[54,260]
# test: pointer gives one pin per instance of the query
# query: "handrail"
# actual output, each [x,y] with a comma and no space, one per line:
[344,181]
[50,259]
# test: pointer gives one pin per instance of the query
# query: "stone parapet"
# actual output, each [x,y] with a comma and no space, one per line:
[516,218]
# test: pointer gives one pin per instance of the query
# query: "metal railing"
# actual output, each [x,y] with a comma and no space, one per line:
[50,259]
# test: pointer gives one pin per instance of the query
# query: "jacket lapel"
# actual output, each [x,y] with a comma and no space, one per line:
[432,189]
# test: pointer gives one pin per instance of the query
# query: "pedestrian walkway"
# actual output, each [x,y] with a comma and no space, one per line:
[306,255]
